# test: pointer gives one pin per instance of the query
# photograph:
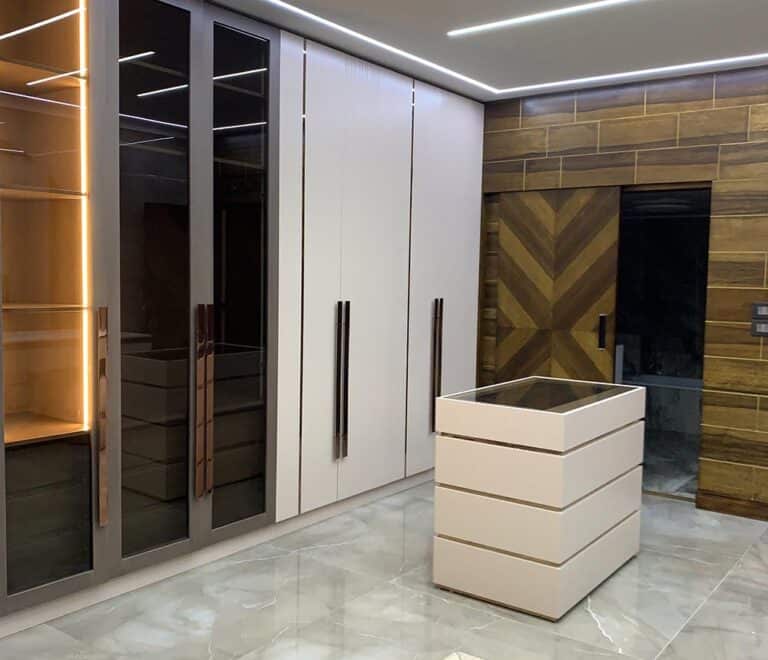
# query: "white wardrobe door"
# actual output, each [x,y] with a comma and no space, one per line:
[445,252]
[328,93]
[376,176]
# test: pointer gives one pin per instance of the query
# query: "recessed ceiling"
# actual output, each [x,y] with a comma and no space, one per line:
[633,36]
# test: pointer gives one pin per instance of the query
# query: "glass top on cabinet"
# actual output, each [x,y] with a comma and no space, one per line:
[544,394]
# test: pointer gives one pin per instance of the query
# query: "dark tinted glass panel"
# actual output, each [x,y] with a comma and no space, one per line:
[240,262]
[543,394]
[154,272]
[49,511]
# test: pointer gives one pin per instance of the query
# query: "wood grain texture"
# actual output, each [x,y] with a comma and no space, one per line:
[652,132]
[733,305]
[736,234]
[736,480]
[573,139]
[745,87]
[542,173]
[503,176]
[758,126]
[615,169]
[680,94]
[511,145]
[729,410]
[740,197]
[736,375]
[502,115]
[735,269]
[610,102]
[549,109]
[714,126]
[743,508]
[733,445]
[731,340]
[744,161]
[675,165]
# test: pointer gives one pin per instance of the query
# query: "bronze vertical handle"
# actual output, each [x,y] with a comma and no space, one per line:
[201,345]
[338,381]
[345,398]
[209,396]
[440,319]
[437,357]
[602,331]
[102,356]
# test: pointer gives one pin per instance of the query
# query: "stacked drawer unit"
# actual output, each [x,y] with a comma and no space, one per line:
[538,490]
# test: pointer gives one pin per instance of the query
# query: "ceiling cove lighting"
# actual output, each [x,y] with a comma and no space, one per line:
[70,74]
[640,73]
[164,90]
[137,56]
[538,16]
[238,74]
[234,126]
[380,44]
[35,26]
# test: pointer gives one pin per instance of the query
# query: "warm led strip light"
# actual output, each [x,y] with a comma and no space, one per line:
[69,74]
[677,68]
[47,21]
[239,74]
[538,16]
[85,252]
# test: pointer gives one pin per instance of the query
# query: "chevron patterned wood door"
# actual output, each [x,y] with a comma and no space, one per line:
[556,259]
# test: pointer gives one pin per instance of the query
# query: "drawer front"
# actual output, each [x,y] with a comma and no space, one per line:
[541,534]
[554,480]
[549,591]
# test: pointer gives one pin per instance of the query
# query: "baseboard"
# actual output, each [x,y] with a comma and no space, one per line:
[743,508]
[33,616]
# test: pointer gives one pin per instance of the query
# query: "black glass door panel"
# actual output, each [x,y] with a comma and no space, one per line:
[154,272]
[240,267]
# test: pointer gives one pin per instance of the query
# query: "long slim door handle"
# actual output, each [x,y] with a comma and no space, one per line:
[201,347]
[102,358]
[433,372]
[210,354]
[345,398]
[602,332]
[338,378]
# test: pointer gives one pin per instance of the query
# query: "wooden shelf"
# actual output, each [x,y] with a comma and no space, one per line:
[41,307]
[31,427]
[22,193]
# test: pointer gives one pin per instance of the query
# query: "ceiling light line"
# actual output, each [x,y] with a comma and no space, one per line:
[538,16]
[69,74]
[35,26]
[164,90]
[381,44]
[137,56]
[153,121]
[233,126]
[38,98]
[239,74]
[638,74]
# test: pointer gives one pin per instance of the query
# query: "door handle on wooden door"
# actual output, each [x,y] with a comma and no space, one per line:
[602,332]
[102,357]
[338,380]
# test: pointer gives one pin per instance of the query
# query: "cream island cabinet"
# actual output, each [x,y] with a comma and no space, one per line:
[538,490]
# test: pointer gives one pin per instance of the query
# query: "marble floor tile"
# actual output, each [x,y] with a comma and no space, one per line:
[677,527]
[46,643]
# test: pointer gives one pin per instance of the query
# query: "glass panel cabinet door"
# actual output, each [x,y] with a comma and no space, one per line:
[154,272]
[240,86]
[46,332]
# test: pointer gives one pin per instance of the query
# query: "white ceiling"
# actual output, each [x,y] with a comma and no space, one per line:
[639,35]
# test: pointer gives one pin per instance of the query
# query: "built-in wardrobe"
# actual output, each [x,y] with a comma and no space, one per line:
[238,266]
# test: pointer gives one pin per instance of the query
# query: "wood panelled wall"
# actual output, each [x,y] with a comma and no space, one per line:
[703,128]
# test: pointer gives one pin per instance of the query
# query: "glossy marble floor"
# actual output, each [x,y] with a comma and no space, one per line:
[357,587]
